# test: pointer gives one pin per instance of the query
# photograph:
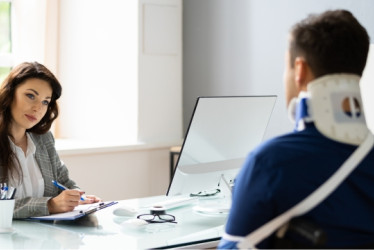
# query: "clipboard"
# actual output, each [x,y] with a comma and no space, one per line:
[78,212]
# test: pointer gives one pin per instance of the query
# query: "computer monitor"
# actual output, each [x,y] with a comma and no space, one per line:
[221,133]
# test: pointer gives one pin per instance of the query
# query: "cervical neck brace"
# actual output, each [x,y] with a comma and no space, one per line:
[334,104]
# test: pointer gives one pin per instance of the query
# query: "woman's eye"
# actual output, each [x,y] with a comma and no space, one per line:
[31,96]
[45,103]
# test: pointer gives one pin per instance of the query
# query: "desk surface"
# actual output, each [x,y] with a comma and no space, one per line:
[104,230]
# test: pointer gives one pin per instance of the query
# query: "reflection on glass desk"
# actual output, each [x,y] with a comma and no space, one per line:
[104,230]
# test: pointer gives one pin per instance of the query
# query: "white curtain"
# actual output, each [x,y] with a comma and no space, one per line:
[35,32]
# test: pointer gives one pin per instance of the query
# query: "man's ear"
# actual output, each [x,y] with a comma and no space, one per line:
[301,73]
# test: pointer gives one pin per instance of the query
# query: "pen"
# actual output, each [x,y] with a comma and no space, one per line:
[4,191]
[62,187]
[11,193]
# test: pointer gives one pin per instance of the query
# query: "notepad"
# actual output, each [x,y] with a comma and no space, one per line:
[78,212]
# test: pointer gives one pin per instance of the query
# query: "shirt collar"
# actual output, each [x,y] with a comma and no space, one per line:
[31,148]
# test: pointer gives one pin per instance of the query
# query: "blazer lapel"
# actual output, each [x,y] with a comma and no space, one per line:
[43,160]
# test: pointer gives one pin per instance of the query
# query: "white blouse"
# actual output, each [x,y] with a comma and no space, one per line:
[32,184]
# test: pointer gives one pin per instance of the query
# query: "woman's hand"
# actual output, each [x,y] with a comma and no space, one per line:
[88,199]
[66,201]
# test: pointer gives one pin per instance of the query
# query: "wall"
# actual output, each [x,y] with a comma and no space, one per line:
[160,70]
[119,173]
[236,47]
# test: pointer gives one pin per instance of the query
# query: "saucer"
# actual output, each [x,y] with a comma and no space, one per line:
[214,210]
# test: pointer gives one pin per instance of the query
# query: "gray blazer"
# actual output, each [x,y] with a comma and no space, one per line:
[52,168]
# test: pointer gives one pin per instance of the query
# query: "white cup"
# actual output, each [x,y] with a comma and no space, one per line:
[6,215]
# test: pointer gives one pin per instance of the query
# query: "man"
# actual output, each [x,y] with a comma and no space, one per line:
[327,53]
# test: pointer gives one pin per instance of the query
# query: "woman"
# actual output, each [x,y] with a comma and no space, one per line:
[28,158]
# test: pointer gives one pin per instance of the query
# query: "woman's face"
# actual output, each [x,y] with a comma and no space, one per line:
[30,103]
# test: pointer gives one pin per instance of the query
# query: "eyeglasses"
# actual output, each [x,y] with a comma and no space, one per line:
[206,193]
[157,218]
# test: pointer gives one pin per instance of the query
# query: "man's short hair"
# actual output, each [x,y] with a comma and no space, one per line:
[332,42]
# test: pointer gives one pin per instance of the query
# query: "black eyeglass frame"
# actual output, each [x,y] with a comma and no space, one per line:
[158,215]
[206,193]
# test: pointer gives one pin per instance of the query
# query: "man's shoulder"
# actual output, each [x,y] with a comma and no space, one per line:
[294,140]
[286,147]
[282,142]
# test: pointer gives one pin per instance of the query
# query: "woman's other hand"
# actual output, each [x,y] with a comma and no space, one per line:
[88,199]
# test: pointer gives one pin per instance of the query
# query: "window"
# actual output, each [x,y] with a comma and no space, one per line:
[97,67]
[94,50]
[5,39]
[121,71]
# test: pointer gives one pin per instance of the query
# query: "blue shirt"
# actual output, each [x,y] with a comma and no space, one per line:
[283,171]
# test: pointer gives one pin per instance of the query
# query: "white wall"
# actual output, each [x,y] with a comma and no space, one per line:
[160,70]
[236,47]
[120,172]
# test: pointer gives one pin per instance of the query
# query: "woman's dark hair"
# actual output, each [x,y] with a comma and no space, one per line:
[332,42]
[16,77]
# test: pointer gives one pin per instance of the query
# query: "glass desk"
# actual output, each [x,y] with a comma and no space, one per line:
[104,230]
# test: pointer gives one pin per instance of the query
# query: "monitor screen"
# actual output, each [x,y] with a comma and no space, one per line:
[222,131]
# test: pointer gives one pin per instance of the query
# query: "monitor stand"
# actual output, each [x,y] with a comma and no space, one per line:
[217,204]
[213,209]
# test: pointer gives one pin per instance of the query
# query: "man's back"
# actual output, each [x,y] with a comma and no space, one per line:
[284,170]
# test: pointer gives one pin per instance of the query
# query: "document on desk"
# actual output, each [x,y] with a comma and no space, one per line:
[78,212]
